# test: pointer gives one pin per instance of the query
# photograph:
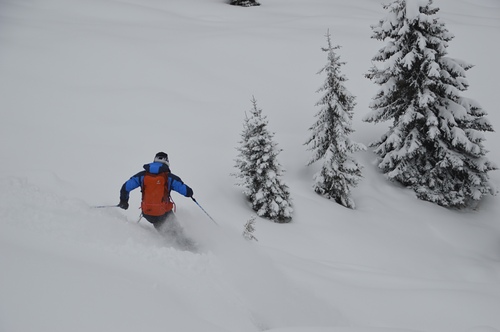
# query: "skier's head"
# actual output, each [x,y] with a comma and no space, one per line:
[162,157]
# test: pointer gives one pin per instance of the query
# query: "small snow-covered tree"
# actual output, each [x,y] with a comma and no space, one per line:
[249,229]
[435,142]
[259,170]
[329,138]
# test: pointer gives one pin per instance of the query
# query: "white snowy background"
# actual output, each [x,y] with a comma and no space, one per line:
[90,90]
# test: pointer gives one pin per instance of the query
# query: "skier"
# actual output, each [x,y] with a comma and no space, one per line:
[156,182]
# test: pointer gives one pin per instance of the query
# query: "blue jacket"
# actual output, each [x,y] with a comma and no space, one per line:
[174,182]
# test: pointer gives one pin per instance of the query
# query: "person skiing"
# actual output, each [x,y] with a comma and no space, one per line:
[156,182]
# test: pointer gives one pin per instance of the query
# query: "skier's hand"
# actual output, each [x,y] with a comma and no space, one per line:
[189,192]
[123,205]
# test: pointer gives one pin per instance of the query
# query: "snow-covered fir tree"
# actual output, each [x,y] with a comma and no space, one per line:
[329,138]
[259,170]
[435,142]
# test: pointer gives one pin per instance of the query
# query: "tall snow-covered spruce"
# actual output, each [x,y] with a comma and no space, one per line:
[259,170]
[329,138]
[435,143]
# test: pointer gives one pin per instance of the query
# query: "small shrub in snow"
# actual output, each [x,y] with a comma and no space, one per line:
[249,229]
[245,3]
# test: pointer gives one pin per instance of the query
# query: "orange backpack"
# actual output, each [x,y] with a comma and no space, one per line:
[155,194]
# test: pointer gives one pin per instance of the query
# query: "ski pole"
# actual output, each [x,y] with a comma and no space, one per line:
[103,206]
[194,200]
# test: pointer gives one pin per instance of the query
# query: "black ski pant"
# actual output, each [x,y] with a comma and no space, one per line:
[164,224]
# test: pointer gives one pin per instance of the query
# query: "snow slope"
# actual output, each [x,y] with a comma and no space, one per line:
[92,89]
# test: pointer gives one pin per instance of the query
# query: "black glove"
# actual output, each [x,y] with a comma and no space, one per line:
[123,205]
[189,192]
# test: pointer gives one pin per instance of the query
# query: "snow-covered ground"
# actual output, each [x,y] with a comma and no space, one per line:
[92,89]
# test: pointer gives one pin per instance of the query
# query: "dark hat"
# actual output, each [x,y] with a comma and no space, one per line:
[162,157]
